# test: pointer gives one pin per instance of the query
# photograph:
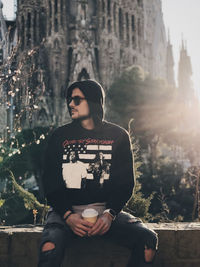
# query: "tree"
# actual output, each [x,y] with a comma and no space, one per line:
[149,102]
[22,158]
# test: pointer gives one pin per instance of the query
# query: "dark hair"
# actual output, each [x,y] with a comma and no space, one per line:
[94,94]
[76,155]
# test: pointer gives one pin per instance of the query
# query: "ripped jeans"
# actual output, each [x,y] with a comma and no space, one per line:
[125,230]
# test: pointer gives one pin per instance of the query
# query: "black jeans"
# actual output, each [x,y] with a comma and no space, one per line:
[125,230]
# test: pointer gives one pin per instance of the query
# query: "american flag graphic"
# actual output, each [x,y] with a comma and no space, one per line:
[96,155]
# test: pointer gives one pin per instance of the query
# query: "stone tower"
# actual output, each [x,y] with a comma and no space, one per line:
[185,86]
[170,64]
[71,40]
[155,45]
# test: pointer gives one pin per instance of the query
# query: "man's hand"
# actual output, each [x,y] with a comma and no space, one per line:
[101,226]
[79,226]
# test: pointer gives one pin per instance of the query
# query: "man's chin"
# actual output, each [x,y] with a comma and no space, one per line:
[82,118]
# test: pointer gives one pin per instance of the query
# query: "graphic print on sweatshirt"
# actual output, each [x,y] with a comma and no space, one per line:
[86,161]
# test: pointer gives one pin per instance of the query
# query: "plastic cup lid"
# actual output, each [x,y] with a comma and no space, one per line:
[89,213]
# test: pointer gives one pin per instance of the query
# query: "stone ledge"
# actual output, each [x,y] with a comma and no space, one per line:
[178,246]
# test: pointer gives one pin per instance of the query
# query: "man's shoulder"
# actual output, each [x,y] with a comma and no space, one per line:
[63,128]
[115,128]
[60,131]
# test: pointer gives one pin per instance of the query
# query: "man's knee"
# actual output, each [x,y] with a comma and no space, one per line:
[48,246]
[149,254]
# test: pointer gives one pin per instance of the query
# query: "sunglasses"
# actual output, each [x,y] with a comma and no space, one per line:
[77,100]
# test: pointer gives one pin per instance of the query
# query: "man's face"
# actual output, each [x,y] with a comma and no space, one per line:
[82,110]
[72,156]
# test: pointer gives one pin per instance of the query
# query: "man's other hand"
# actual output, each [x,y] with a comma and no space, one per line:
[79,226]
[101,226]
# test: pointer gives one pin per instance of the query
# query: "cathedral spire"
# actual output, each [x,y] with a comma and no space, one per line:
[170,63]
[185,87]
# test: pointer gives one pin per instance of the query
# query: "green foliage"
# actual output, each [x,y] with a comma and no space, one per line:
[171,201]
[148,101]
[162,125]
[138,205]
[18,202]
[22,158]
[2,201]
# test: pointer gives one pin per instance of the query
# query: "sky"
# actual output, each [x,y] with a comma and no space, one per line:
[181,17]
[8,8]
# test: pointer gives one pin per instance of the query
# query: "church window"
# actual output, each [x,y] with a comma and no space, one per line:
[134,59]
[61,12]
[56,74]
[56,6]
[139,2]
[72,6]
[23,30]
[42,23]
[121,33]
[139,28]
[103,6]
[56,25]
[49,28]
[92,7]
[133,41]
[96,52]
[35,27]
[28,29]
[108,7]
[69,60]
[127,29]
[50,9]
[103,22]
[133,23]
[83,75]
[56,44]
[109,26]
[110,44]
[114,18]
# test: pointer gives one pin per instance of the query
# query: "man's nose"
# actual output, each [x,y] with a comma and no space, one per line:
[71,103]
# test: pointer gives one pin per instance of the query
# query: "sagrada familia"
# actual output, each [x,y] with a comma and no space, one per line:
[56,42]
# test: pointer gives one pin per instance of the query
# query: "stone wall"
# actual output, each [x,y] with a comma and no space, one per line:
[178,246]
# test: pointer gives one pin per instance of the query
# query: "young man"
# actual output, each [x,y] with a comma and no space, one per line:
[87,136]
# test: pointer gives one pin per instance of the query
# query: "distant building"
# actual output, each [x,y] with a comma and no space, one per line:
[185,85]
[8,40]
[83,39]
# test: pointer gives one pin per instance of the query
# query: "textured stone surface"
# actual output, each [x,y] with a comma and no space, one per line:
[179,246]
[103,254]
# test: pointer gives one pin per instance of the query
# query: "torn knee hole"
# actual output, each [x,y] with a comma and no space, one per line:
[48,246]
[149,254]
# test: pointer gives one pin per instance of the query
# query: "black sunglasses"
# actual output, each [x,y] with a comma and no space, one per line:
[77,100]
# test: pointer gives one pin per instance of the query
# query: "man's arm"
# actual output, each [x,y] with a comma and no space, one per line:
[122,174]
[53,184]
[123,183]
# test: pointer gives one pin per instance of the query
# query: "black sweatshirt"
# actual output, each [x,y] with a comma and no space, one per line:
[87,166]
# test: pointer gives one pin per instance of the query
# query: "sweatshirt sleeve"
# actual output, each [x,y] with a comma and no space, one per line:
[53,184]
[122,174]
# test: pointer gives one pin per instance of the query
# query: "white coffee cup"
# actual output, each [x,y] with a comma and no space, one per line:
[90,215]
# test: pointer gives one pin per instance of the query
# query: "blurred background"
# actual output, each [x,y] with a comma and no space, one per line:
[144,53]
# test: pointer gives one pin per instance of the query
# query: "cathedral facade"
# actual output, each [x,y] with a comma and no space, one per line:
[81,39]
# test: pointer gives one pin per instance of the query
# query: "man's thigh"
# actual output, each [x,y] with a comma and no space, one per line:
[56,231]
[131,232]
